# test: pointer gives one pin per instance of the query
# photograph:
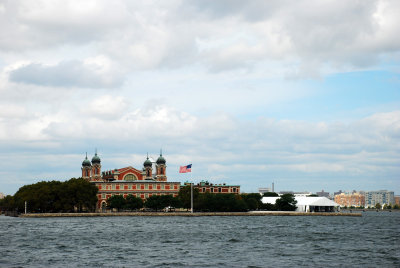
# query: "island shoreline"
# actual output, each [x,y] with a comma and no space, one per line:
[186,214]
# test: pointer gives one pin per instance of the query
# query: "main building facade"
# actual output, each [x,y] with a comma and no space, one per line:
[150,180]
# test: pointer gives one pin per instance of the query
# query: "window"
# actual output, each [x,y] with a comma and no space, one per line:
[130,177]
[113,186]
[219,189]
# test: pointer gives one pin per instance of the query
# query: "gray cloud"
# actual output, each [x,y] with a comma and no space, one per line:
[220,35]
[66,74]
[220,64]
[224,147]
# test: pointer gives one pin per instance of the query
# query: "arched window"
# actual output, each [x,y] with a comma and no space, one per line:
[130,177]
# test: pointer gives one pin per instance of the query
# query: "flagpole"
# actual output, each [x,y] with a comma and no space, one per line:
[191,191]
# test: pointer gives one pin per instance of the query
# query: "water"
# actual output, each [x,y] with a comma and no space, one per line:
[271,241]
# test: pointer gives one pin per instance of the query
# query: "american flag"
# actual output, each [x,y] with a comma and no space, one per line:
[185,169]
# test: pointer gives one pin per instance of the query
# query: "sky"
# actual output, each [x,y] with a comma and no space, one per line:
[305,94]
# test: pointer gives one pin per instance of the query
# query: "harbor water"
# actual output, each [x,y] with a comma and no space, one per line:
[266,241]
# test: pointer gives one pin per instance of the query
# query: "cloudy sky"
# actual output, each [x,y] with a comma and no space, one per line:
[305,94]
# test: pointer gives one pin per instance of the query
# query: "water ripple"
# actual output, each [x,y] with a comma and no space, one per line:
[273,241]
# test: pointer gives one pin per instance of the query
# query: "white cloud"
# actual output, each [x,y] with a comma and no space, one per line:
[199,79]
[89,74]
[310,35]
[106,106]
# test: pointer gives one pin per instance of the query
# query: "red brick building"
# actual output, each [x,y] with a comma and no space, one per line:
[150,180]
[206,187]
[350,199]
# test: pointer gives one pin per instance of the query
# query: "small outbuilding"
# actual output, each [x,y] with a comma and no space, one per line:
[309,203]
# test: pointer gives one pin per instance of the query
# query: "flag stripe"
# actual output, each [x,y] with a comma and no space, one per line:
[185,169]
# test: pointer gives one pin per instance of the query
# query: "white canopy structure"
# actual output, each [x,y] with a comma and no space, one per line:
[309,204]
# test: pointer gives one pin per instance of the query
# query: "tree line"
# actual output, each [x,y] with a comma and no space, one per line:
[203,202]
[78,195]
[53,196]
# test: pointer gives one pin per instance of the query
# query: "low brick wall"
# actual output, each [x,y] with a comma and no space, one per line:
[188,214]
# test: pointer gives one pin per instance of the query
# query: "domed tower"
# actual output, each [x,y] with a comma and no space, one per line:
[148,169]
[86,169]
[161,168]
[96,167]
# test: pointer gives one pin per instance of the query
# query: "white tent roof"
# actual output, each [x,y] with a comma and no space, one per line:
[305,201]
[269,199]
[315,201]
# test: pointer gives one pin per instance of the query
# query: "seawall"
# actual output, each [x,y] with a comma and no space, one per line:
[188,214]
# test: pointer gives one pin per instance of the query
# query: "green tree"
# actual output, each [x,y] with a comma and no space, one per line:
[270,194]
[56,196]
[7,203]
[154,202]
[269,207]
[378,206]
[133,202]
[253,200]
[220,203]
[184,196]
[116,201]
[286,202]
[81,194]
[40,197]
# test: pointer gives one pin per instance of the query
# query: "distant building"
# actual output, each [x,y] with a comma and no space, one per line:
[295,193]
[350,199]
[336,193]
[382,197]
[397,200]
[262,191]
[223,188]
[323,194]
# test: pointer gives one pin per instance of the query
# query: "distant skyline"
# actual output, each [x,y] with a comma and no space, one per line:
[304,94]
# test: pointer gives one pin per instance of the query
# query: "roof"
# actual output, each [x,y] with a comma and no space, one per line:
[315,201]
[269,199]
[304,201]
